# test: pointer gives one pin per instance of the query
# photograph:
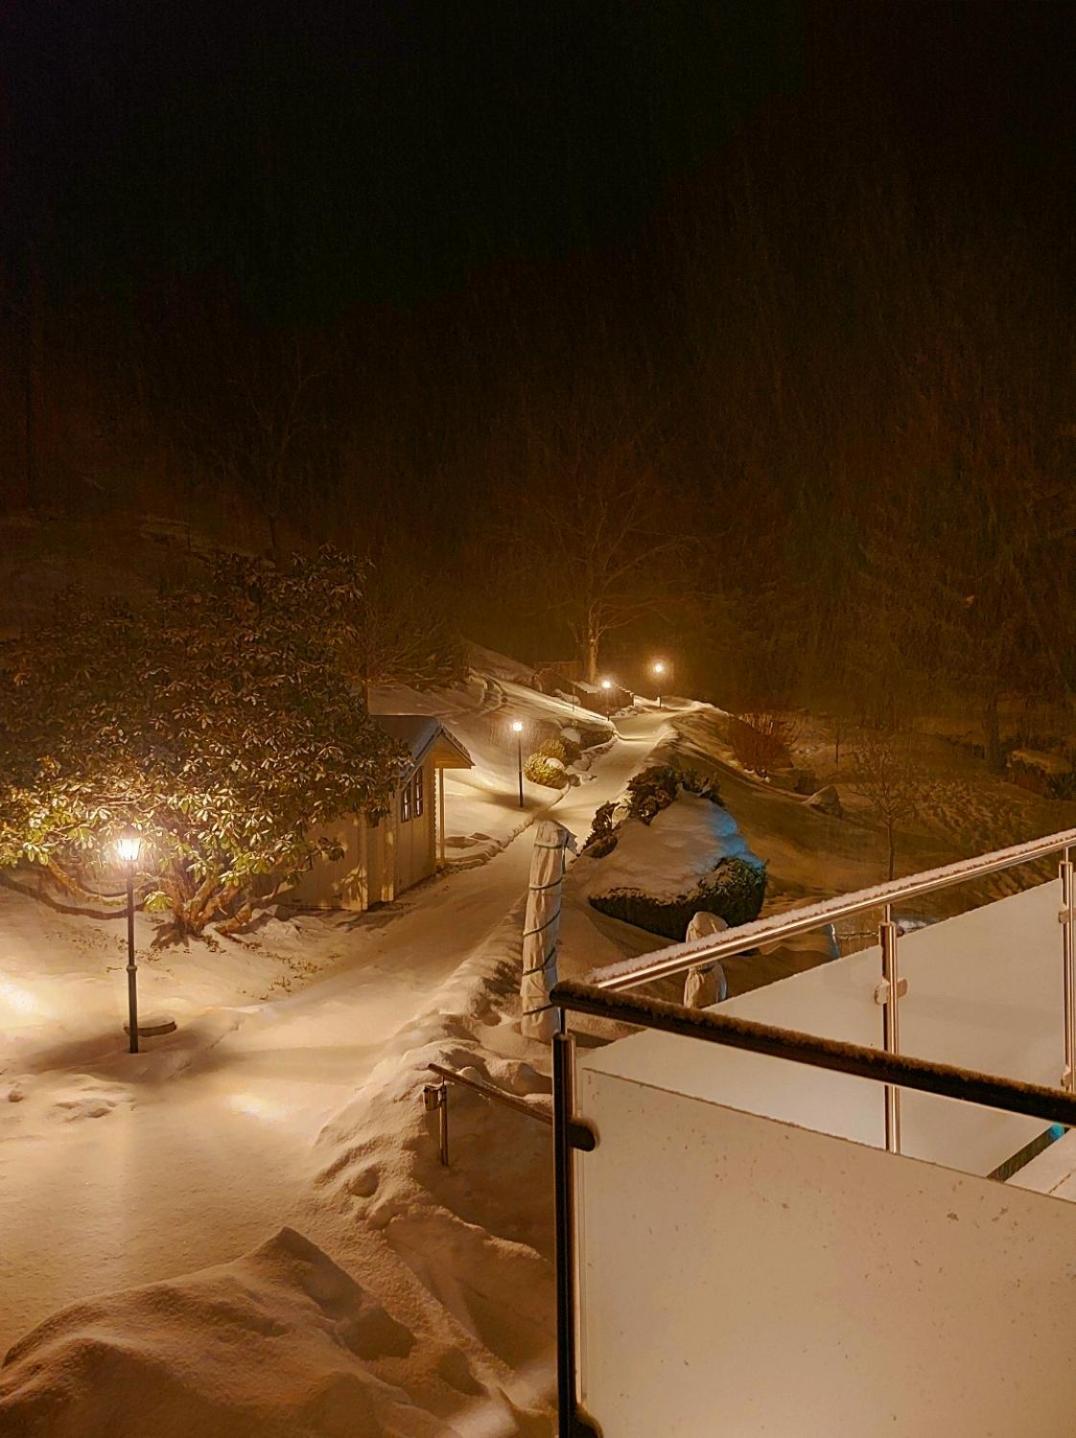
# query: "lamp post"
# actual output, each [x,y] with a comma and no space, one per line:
[517,730]
[607,685]
[659,669]
[128,848]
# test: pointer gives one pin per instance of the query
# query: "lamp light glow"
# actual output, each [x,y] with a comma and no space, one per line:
[517,726]
[607,684]
[128,848]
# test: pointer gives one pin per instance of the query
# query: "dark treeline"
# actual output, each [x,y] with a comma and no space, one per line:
[754,348]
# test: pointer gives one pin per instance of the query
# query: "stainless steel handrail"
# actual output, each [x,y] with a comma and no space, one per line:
[838,1055]
[435,1096]
[678,958]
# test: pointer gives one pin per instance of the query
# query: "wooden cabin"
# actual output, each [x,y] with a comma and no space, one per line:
[380,860]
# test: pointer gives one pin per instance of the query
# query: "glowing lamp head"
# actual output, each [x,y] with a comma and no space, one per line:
[517,726]
[607,684]
[128,848]
[659,666]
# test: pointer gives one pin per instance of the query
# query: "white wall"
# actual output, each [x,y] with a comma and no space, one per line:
[985,992]
[741,1277]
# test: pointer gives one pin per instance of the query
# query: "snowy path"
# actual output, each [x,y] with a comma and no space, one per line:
[178,1172]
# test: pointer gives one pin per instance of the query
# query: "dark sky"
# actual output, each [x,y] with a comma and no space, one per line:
[317,155]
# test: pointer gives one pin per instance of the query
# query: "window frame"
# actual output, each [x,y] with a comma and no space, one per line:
[418,797]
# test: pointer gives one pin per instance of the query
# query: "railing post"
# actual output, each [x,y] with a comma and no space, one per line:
[564,1198]
[887,938]
[435,1096]
[1068,971]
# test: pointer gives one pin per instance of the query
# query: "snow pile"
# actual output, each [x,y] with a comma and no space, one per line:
[279,1342]
[477,1235]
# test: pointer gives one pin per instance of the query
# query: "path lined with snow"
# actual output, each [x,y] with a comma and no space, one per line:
[135,1179]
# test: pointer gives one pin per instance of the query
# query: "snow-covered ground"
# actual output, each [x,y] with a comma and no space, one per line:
[282,1120]
[289,1096]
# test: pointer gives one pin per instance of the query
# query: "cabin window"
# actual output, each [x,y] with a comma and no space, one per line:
[419,802]
[405,803]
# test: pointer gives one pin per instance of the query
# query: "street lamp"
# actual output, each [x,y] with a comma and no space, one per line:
[659,669]
[128,848]
[517,730]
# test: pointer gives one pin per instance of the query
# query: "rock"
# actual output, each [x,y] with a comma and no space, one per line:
[827,801]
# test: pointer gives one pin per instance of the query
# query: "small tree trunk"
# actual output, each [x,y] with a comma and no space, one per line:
[593,640]
[995,759]
[892,848]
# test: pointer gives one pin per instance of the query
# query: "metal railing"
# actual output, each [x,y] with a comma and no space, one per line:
[1054,1106]
[435,1096]
[678,958]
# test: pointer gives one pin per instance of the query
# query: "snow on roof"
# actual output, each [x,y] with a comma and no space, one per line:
[419,733]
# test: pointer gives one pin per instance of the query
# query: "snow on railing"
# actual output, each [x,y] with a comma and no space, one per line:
[678,958]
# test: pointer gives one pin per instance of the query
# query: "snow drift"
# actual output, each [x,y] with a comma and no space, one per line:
[279,1342]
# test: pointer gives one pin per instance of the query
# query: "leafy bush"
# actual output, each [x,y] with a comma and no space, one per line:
[220,723]
[700,784]
[542,769]
[602,837]
[558,747]
[734,890]
[762,742]
[652,790]
[649,791]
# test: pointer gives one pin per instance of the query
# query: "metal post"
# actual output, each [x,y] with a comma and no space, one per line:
[441,813]
[564,1202]
[132,968]
[442,1121]
[887,937]
[519,760]
[435,1096]
[1068,959]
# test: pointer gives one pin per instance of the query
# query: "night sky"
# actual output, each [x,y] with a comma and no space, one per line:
[491,235]
[320,156]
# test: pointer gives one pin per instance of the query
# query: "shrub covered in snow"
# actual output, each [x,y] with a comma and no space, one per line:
[649,792]
[602,838]
[541,769]
[696,783]
[678,851]
[734,891]
[567,751]
[652,790]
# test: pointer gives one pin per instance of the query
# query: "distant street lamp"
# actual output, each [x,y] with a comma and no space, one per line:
[517,730]
[659,669]
[128,848]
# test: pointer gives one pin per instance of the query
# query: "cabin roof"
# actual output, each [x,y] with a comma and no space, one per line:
[425,737]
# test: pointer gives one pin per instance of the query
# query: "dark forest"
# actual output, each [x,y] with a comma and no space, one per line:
[742,331]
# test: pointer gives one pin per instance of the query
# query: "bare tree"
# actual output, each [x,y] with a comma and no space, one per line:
[894,785]
[596,532]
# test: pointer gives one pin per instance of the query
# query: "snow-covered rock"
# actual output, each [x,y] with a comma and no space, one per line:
[668,856]
[827,801]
